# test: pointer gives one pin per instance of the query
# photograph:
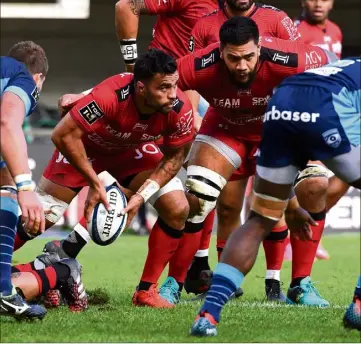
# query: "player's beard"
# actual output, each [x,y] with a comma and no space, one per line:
[164,109]
[235,5]
[244,85]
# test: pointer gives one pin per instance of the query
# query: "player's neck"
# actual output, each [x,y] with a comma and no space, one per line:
[232,13]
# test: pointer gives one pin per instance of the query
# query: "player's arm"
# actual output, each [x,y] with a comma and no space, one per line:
[127,14]
[67,137]
[14,152]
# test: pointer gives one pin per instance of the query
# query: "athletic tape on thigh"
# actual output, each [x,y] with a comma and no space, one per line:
[56,206]
[174,184]
[311,171]
[267,206]
[229,153]
[278,175]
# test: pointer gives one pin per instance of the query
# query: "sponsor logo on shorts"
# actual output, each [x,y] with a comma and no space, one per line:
[296,116]
[91,112]
[332,137]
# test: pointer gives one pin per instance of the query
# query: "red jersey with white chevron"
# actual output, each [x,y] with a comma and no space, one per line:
[241,110]
[175,22]
[327,36]
[111,122]
[271,22]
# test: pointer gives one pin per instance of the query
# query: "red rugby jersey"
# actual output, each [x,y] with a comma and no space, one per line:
[242,109]
[270,21]
[111,122]
[327,36]
[175,22]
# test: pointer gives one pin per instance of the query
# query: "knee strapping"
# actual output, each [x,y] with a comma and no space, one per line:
[206,185]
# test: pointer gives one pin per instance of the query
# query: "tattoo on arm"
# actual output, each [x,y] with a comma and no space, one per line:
[174,162]
[138,6]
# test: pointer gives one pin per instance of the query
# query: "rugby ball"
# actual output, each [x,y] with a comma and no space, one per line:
[105,227]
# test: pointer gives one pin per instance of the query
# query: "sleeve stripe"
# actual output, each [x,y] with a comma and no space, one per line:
[22,95]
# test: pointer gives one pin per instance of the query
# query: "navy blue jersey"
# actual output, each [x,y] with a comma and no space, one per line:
[16,78]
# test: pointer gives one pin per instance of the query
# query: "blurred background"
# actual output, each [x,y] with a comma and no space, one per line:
[79,39]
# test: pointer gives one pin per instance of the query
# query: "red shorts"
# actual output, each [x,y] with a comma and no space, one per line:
[120,165]
[215,126]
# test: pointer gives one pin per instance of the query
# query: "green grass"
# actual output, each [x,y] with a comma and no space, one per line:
[117,269]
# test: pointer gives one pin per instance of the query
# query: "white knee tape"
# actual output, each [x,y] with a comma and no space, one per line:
[52,204]
[174,184]
[206,185]
[311,171]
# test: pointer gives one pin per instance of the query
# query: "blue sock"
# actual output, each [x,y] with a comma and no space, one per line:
[226,280]
[358,287]
[8,222]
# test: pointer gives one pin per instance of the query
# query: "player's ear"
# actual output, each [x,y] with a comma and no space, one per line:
[141,87]
[221,49]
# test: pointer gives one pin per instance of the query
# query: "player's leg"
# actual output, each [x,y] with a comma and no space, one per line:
[164,239]
[48,272]
[11,303]
[311,190]
[211,163]
[352,317]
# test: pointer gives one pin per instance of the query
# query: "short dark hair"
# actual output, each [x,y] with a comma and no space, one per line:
[152,62]
[239,30]
[32,55]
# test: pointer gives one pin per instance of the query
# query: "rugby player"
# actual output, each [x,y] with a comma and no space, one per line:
[323,106]
[245,72]
[119,121]
[23,73]
[271,22]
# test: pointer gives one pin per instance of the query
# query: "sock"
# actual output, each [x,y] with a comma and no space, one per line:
[183,257]
[8,221]
[200,261]
[162,244]
[77,239]
[51,277]
[226,280]
[28,267]
[220,246]
[21,237]
[274,247]
[304,252]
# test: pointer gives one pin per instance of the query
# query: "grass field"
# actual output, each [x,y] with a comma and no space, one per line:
[117,269]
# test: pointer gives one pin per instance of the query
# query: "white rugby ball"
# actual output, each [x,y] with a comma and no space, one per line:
[105,227]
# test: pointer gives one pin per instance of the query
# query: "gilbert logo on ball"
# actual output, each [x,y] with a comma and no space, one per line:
[106,226]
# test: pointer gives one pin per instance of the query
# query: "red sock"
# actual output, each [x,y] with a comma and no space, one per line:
[304,252]
[188,246]
[18,242]
[220,247]
[274,247]
[47,279]
[207,231]
[162,244]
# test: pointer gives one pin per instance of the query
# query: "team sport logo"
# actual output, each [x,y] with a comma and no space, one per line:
[332,137]
[91,112]
[191,44]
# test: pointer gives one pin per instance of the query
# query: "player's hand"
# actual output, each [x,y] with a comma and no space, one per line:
[96,194]
[299,222]
[129,68]
[128,193]
[133,206]
[32,212]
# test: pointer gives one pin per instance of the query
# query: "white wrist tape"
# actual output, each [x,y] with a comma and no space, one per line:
[151,188]
[129,50]
[24,182]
